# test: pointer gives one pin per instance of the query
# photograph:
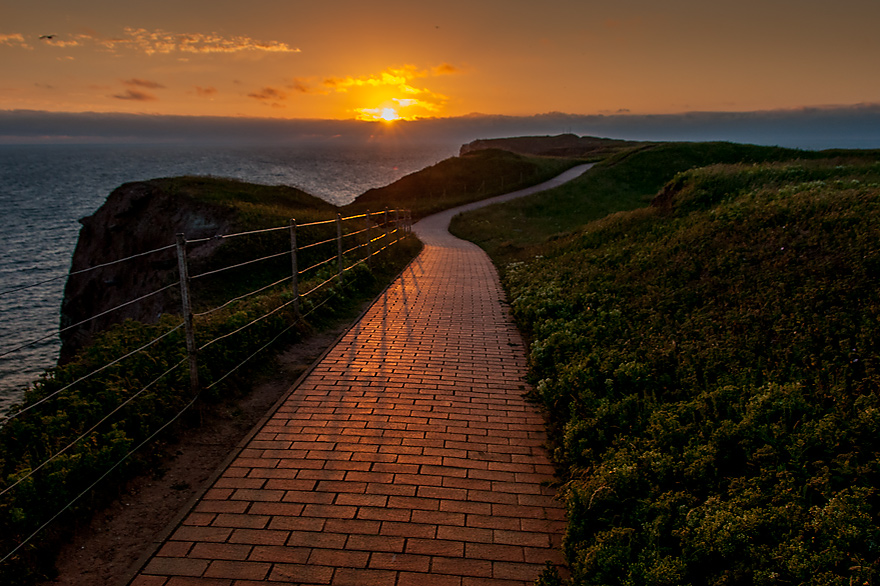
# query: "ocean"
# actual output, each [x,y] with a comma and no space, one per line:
[46,189]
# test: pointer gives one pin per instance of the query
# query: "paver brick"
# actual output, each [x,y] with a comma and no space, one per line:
[400,561]
[190,581]
[259,536]
[423,579]
[384,514]
[516,571]
[357,577]
[422,530]
[175,549]
[435,547]
[176,566]
[311,539]
[461,567]
[209,534]
[238,570]
[339,558]
[301,574]
[220,551]
[143,580]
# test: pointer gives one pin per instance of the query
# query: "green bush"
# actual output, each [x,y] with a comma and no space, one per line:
[710,365]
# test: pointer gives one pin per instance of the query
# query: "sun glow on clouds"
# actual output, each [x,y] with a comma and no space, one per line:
[392,93]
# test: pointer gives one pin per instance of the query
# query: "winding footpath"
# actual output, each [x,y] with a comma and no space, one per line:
[407,456]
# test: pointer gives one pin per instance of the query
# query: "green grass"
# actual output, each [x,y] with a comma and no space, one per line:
[710,367]
[255,206]
[626,181]
[460,180]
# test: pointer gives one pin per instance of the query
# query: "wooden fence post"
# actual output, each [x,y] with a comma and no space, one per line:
[186,300]
[369,240]
[295,278]
[339,240]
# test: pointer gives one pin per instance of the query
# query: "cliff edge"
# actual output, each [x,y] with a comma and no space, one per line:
[147,215]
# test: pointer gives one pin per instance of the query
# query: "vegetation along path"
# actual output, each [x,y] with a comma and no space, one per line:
[408,455]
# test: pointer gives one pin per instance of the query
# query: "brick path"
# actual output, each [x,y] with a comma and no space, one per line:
[407,457]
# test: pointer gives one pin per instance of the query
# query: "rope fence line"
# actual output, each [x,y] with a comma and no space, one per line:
[86,270]
[380,231]
[241,297]
[90,430]
[239,265]
[4,418]
[314,244]
[158,431]
[85,321]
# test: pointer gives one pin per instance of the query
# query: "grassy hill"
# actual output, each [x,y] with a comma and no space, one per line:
[709,362]
[459,180]
[625,181]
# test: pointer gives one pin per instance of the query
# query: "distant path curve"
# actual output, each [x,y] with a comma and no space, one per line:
[437,225]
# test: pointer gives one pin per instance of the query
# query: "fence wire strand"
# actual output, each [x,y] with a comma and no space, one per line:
[314,244]
[361,231]
[86,270]
[321,223]
[313,289]
[244,327]
[85,321]
[314,266]
[239,265]
[352,249]
[91,429]
[6,418]
[245,296]
[102,477]
[252,232]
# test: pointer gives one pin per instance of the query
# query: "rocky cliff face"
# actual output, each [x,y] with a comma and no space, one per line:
[137,217]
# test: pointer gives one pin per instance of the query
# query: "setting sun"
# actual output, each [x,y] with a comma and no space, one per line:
[389,114]
[382,113]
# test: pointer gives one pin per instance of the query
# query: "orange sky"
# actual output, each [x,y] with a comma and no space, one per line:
[343,59]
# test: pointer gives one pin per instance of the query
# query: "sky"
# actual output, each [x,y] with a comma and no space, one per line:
[390,59]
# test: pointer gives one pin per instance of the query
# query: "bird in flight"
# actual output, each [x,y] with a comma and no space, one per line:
[49,37]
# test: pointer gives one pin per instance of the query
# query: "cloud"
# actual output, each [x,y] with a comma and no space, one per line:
[445,69]
[62,44]
[205,92]
[304,86]
[13,40]
[135,95]
[397,77]
[163,42]
[153,85]
[419,101]
[271,96]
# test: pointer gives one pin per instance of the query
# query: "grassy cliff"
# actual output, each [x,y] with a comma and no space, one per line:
[459,180]
[710,364]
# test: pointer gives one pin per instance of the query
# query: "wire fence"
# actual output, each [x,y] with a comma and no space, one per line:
[329,249]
